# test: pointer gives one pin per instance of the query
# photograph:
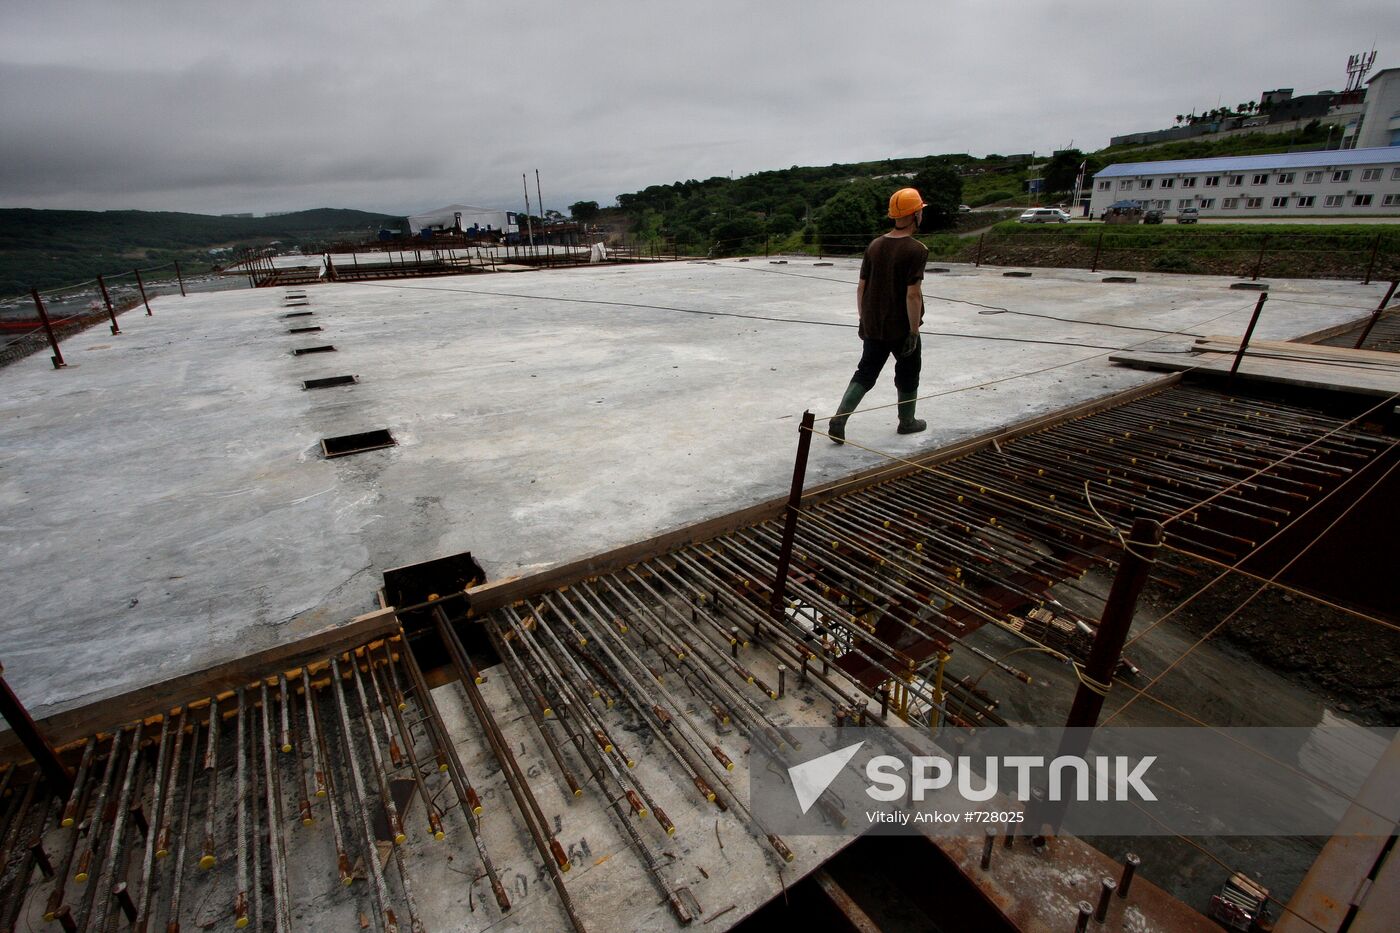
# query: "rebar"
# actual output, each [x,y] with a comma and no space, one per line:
[158,805]
[378,889]
[207,858]
[102,890]
[550,851]
[467,797]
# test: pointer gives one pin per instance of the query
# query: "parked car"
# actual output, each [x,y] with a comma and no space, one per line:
[1044,215]
[1153,216]
[964,209]
[1188,215]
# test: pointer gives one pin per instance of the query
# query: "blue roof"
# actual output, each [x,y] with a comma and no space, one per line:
[1379,155]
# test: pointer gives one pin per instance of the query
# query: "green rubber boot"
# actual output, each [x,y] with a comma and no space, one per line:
[908,424]
[849,403]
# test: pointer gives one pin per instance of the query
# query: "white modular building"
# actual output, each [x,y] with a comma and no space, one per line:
[1330,183]
[1378,124]
[464,217]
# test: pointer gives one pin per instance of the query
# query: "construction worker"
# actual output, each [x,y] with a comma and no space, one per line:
[890,301]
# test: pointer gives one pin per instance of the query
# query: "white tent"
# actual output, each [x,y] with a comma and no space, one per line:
[455,216]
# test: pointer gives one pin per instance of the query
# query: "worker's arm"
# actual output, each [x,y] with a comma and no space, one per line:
[914,304]
[860,296]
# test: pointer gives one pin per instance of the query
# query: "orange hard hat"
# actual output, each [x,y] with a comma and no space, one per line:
[906,201]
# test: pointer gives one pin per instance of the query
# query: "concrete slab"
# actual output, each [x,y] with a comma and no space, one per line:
[166,504]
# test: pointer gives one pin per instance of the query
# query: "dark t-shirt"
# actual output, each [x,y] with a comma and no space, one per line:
[890,266]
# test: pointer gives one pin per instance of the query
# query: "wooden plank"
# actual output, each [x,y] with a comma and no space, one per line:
[1337,329]
[1327,377]
[856,918]
[1380,908]
[1323,899]
[1227,344]
[493,595]
[74,725]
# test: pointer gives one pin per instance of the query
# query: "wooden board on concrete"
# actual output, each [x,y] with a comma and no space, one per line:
[1328,375]
[1301,351]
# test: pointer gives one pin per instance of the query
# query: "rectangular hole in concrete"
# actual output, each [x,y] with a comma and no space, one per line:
[302,351]
[303,330]
[299,314]
[348,444]
[330,381]
[444,578]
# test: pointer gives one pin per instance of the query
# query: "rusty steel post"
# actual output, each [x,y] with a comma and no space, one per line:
[1138,560]
[1098,248]
[1130,867]
[180,278]
[1106,888]
[57,357]
[1376,315]
[14,713]
[141,286]
[799,474]
[1259,262]
[1371,265]
[977,262]
[1248,332]
[111,313]
[1096,676]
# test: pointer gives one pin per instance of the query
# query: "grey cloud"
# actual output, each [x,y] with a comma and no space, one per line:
[276,106]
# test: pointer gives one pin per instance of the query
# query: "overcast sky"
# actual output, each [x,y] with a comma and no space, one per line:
[404,106]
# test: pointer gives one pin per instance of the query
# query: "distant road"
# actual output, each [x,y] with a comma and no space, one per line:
[1322,221]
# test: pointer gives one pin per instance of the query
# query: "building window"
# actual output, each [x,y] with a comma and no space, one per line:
[1285,178]
[1235,181]
[1332,200]
[1188,182]
[1212,181]
[1105,185]
[1162,204]
[1307,201]
[1395,174]
[1391,200]
[1126,185]
[1184,202]
[1229,204]
[1362,200]
[1312,178]
[1171,182]
[1207,203]
[1342,175]
[1146,183]
[1262,178]
[1371,174]
[1253,202]
[1280,202]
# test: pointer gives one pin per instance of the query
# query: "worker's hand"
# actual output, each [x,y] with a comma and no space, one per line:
[910,346]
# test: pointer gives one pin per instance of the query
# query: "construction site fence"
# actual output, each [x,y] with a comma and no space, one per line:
[74,308]
[1364,256]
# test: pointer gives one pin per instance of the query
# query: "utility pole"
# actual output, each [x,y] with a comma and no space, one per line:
[539,199]
[528,224]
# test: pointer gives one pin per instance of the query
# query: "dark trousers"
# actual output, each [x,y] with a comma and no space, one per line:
[872,360]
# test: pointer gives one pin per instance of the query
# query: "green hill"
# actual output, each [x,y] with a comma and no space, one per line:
[790,208]
[41,249]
